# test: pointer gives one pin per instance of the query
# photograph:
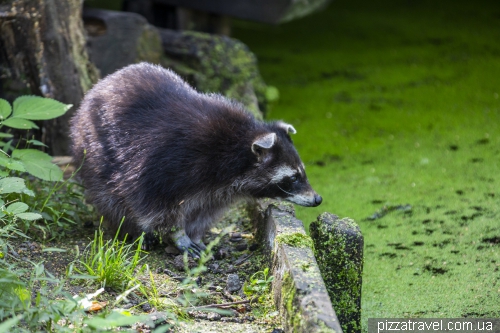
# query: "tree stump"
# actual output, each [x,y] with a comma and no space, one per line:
[43,51]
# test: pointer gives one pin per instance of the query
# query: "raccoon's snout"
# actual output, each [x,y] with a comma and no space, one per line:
[317,200]
[307,199]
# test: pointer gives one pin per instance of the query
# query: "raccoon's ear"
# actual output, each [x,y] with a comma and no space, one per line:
[262,143]
[287,127]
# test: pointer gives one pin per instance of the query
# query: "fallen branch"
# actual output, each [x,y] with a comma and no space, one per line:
[223,305]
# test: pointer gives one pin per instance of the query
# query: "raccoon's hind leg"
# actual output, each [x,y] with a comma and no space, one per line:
[195,222]
[200,222]
[185,244]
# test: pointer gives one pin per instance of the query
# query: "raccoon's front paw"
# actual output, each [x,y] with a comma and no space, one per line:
[185,244]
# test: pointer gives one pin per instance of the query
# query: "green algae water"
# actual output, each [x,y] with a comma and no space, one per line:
[397,108]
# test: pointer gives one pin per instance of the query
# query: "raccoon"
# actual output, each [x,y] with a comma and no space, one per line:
[167,158]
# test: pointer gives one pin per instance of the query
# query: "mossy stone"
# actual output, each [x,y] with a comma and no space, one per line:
[214,63]
[338,247]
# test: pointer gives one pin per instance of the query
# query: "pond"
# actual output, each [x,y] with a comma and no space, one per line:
[397,109]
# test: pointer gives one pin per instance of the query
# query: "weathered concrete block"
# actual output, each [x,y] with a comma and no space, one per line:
[298,289]
[338,245]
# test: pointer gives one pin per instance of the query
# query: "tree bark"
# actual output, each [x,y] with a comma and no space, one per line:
[42,44]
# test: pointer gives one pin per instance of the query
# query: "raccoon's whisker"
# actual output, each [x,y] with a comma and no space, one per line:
[276,184]
[284,190]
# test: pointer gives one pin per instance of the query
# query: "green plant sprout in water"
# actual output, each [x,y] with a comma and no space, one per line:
[258,284]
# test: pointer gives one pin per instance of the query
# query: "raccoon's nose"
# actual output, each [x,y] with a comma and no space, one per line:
[317,199]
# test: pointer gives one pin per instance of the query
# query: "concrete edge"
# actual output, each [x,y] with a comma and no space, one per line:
[298,289]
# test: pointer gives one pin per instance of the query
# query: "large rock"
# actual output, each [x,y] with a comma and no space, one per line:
[214,63]
[117,39]
[208,62]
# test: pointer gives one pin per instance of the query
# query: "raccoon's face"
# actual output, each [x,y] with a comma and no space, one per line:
[280,170]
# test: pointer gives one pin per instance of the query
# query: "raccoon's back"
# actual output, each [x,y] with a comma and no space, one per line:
[143,127]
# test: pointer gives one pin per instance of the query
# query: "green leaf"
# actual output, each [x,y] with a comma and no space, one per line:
[83,276]
[115,319]
[9,323]
[29,192]
[29,216]
[31,155]
[19,123]
[11,163]
[6,135]
[53,249]
[38,108]
[3,173]
[38,163]
[17,207]
[12,185]
[36,143]
[5,109]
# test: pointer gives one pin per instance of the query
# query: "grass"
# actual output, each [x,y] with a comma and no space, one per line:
[397,103]
[113,262]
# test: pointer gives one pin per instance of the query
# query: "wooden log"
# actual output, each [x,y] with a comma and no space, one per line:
[43,46]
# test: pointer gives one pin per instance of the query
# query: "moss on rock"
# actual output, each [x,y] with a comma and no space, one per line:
[215,63]
[295,239]
[338,246]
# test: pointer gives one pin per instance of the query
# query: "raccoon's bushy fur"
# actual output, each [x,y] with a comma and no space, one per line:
[171,159]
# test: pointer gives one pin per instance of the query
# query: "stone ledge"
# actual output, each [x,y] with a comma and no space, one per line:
[298,289]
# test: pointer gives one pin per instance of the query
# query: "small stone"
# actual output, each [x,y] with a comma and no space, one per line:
[235,235]
[230,269]
[253,247]
[214,267]
[146,307]
[168,272]
[241,247]
[13,253]
[213,316]
[233,283]
[179,262]
[198,315]
[199,281]
[127,306]
[221,253]
[171,250]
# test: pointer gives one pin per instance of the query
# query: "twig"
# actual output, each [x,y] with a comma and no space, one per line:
[242,259]
[223,305]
